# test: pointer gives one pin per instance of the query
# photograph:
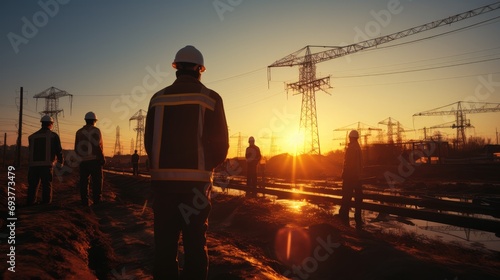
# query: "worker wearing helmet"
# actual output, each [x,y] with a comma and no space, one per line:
[44,148]
[351,180]
[89,148]
[252,156]
[185,138]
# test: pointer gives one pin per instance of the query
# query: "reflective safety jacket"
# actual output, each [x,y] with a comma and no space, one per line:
[186,133]
[44,147]
[88,143]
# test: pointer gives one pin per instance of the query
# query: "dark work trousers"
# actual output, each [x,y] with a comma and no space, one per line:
[175,213]
[37,174]
[135,169]
[90,169]
[348,188]
[252,177]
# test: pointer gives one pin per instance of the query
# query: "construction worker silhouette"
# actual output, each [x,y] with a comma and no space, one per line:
[252,156]
[135,163]
[44,148]
[185,138]
[351,180]
[89,148]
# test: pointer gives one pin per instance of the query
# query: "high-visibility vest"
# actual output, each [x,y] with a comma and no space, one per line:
[43,147]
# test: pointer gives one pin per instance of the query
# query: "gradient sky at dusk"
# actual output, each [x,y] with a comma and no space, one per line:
[112,56]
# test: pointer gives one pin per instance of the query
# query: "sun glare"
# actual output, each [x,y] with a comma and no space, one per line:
[295,142]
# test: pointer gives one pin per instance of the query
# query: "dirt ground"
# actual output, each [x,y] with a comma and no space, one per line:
[248,238]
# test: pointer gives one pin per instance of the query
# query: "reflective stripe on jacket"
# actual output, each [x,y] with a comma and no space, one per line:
[186,132]
[88,143]
[44,147]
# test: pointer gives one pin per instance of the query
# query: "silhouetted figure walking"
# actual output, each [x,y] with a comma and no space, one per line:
[350,180]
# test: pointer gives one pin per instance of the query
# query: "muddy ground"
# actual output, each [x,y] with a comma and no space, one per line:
[247,239]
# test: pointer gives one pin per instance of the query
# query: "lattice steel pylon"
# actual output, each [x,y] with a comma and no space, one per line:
[459,110]
[391,122]
[118,145]
[140,117]
[239,147]
[308,84]
[51,96]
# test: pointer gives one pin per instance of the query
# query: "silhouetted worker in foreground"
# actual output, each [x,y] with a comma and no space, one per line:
[135,163]
[89,147]
[186,137]
[351,173]
[252,156]
[44,147]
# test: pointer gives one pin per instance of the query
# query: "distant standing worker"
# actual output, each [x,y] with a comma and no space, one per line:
[252,155]
[44,148]
[89,147]
[186,137]
[351,180]
[135,163]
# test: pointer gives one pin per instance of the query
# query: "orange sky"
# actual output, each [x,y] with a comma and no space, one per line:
[113,65]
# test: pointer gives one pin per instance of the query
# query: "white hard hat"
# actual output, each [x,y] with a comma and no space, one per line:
[90,116]
[47,118]
[251,139]
[189,54]
[353,134]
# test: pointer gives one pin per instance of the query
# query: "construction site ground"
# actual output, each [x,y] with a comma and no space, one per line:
[114,240]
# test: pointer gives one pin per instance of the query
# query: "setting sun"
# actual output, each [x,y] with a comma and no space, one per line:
[294,142]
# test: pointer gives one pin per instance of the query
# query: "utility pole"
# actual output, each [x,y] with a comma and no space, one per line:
[20,131]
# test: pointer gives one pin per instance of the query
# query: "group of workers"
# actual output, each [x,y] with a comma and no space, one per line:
[186,137]
[45,148]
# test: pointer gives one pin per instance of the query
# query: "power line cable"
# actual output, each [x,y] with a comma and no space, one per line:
[417,70]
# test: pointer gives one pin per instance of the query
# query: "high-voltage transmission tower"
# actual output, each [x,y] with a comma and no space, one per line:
[118,146]
[51,96]
[239,147]
[361,128]
[140,116]
[391,123]
[308,83]
[459,110]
